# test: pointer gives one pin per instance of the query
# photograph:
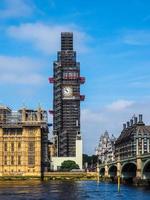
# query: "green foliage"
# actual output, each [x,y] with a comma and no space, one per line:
[90,160]
[69,165]
[94,159]
[86,159]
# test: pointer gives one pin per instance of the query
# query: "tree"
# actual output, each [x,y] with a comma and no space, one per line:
[94,159]
[69,165]
[86,159]
[90,160]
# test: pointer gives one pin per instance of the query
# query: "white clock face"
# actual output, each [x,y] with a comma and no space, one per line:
[67,91]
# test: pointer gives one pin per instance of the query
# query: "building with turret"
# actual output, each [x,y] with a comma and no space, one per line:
[106,148]
[134,139]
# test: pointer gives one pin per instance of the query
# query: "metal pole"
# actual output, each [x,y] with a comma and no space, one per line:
[118,183]
[98,172]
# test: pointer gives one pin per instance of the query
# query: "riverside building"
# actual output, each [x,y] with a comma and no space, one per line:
[134,139]
[23,142]
[106,148]
[66,102]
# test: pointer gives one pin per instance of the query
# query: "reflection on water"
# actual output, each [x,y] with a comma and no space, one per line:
[67,190]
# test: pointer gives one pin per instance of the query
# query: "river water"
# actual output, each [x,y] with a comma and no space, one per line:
[67,190]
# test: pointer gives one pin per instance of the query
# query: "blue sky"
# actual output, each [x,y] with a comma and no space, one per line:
[112,39]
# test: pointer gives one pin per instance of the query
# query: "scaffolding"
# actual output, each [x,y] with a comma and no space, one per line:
[66,110]
[9,117]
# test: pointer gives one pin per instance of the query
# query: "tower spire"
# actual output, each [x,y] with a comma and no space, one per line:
[66,41]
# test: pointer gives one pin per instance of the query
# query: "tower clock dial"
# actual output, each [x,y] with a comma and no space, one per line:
[67,91]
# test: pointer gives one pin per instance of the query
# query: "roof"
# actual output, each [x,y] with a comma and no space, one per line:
[106,135]
[3,107]
[127,133]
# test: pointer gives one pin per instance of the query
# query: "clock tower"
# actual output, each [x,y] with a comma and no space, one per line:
[66,98]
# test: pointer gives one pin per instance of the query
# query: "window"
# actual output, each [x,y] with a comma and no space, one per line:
[12,160]
[31,153]
[31,160]
[19,145]
[19,160]
[12,147]
[31,146]
[5,160]
[31,131]
[5,146]
[10,131]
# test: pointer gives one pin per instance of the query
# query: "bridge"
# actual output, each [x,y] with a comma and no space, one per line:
[135,169]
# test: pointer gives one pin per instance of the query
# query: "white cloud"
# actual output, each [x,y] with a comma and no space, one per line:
[16,8]
[94,123]
[31,79]
[136,37]
[46,38]
[20,70]
[91,122]
[120,105]
[10,63]
[87,115]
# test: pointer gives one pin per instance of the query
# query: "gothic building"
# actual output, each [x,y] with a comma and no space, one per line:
[66,98]
[23,142]
[134,139]
[106,148]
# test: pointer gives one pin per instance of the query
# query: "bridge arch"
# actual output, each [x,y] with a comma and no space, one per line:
[112,171]
[146,170]
[102,171]
[128,171]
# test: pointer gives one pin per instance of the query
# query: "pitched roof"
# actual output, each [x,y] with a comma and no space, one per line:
[126,134]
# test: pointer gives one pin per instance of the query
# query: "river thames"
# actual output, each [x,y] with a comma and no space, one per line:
[67,190]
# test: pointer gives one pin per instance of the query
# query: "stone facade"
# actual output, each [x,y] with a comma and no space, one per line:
[105,149]
[132,154]
[134,139]
[23,142]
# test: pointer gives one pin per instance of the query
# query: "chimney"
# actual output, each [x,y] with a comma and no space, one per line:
[131,122]
[124,126]
[135,120]
[140,118]
[128,124]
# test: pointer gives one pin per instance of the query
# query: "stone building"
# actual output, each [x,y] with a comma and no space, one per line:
[134,139]
[23,142]
[106,148]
